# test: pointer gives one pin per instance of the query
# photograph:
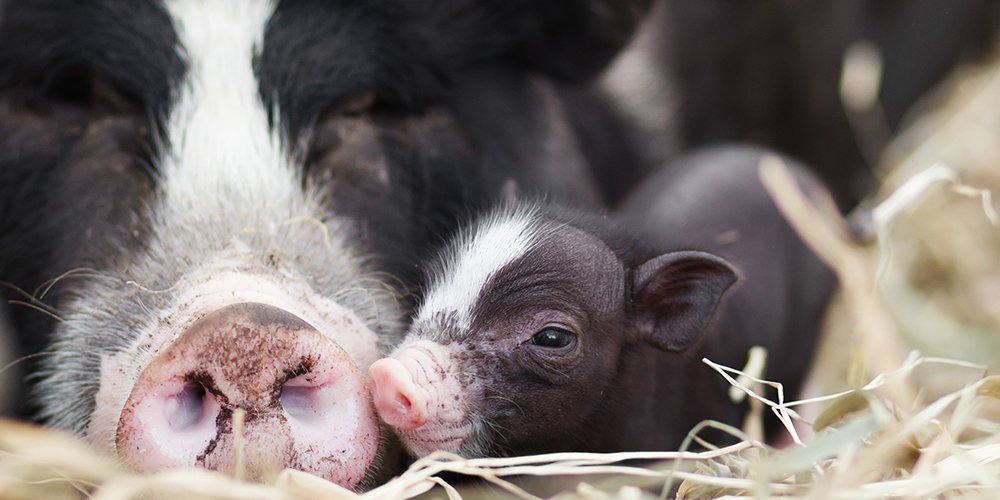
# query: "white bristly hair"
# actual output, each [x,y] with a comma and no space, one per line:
[474,257]
[219,138]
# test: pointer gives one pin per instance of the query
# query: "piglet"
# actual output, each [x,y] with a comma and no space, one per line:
[547,330]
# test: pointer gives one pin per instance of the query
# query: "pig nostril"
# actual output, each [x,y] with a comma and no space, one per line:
[306,397]
[187,407]
[403,402]
[298,401]
[169,421]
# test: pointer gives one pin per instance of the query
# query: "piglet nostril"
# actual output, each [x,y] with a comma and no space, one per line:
[400,402]
[187,408]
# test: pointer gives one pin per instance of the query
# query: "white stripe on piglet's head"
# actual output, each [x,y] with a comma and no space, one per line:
[476,256]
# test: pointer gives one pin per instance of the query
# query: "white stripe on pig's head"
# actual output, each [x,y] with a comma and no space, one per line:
[231,221]
[475,258]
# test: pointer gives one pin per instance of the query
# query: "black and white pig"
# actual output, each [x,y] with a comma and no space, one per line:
[220,204]
[547,330]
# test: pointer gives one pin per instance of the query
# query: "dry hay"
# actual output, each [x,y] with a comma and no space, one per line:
[908,422]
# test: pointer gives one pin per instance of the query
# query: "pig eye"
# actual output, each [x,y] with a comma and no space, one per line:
[554,338]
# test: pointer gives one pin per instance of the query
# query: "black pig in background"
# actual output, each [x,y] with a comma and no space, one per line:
[768,72]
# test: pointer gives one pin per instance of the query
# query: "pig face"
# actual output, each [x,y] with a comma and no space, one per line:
[190,185]
[519,343]
[222,219]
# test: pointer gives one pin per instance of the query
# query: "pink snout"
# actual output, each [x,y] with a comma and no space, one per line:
[306,403]
[400,402]
[417,392]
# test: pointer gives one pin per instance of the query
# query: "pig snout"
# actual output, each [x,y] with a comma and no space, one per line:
[306,402]
[401,403]
[417,392]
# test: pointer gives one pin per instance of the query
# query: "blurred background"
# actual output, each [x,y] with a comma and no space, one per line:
[870,93]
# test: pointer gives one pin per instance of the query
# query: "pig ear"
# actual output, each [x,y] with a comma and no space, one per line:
[677,294]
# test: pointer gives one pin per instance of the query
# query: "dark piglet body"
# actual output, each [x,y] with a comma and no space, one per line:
[548,330]
[783,288]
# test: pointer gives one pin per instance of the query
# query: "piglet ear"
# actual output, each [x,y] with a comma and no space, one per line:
[677,294]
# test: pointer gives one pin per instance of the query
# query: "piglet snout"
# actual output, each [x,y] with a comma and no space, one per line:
[400,402]
[306,403]
[417,391]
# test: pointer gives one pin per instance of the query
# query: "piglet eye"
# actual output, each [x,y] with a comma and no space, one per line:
[553,338]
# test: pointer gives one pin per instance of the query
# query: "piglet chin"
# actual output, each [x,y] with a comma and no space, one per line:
[305,401]
[417,392]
